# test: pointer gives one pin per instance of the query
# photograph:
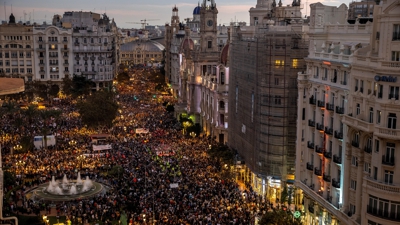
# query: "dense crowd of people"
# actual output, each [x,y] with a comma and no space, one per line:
[166,177]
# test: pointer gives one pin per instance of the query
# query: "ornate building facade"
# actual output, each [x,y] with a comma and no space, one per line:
[347,146]
[194,69]
[16,50]
[53,53]
[95,46]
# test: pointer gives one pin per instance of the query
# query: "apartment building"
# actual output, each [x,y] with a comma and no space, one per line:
[53,53]
[95,46]
[347,135]
[16,50]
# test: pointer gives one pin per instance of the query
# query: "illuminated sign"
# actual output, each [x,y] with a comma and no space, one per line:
[386,78]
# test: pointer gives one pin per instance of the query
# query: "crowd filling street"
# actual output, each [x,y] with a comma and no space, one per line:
[165,177]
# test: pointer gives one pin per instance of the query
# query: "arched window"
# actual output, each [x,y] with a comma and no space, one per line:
[28,46]
[221,104]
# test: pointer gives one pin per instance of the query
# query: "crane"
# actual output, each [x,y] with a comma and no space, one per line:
[143,22]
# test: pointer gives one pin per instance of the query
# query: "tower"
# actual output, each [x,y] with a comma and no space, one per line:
[208,26]
[175,20]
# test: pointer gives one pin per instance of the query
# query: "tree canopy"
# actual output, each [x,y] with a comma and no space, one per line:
[279,217]
[98,109]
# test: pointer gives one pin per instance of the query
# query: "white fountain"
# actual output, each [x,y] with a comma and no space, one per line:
[67,187]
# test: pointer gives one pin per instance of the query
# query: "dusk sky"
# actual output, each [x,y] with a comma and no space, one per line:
[159,11]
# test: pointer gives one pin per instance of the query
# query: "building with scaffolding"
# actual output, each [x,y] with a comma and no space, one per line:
[264,61]
[347,144]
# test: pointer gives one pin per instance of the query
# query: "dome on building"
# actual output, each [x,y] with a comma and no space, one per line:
[196,10]
[148,46]
[225,54]
[187,44]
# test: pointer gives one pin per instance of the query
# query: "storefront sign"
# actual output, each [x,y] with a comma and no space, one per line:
[386,78]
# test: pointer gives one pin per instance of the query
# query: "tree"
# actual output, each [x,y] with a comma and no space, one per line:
[99,109]
[222,152]
[80,86]
[279,217]
[67,86]
[123,77]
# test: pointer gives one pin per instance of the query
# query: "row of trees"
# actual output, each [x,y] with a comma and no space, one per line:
[75,87]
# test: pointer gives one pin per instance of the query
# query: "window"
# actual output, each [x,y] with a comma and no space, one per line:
[65,39]
[356,85]
[252,107]
[392,120]
[222,77]
[295,63]
[279,62]
[352,209]
[377,145]
[371,115]
[325,74]
[353,184]
[395,56]
[236,98]
[361,86]
[358,110]
[84,40]
[389,156]
[375,173]
[276,81]
[317,72]
[388,177]
[209,44]
[367,168]
[394,92]
[66,69]
[354,160]
[378,116]
[396,32]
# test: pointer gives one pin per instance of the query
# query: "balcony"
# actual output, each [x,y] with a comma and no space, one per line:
[65,41]
[337,159]
[65,49]
[343,82]
[338,135]
[65,56]
[326,178]
[65,64]
[380,186]
[320,126]
[320,103]
[387,133]
[388,160]
[41,71]
[41,63]
[328,130]
[358,124]
[312,101]
[328,155]
[355,144]
[53,56]
[40,49]
[384,214]
[330,107]
[339,110]
[394,96]
[317,171]
[310,167]
[105,43]
[368,149]
[335,183]
[334,80]
[310,145]
[311,123]
[319,150]
[76,43]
